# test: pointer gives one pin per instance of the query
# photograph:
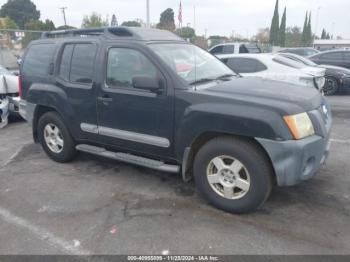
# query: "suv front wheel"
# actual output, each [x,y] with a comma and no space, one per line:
[55,138]
[233,174]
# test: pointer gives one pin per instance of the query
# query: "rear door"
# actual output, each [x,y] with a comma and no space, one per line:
[76,77]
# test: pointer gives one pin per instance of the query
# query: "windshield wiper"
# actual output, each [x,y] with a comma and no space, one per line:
[225,76]
[202,80]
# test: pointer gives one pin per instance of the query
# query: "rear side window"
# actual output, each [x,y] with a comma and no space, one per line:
[82,66]
[229,49]
[77,63]
[246,65]
[66,61]
[38,59]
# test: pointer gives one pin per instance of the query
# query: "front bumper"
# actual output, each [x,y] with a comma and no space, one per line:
[4,112]
[14,104]
[296,160]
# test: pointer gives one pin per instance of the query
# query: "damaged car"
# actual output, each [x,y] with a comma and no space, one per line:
[9,95]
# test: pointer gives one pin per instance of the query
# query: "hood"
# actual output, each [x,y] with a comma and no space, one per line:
[281,96]
[314,71]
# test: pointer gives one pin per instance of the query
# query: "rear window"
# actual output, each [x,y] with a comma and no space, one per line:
[38,59]
[288,62]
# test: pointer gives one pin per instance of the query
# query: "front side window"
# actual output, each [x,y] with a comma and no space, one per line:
[217,50]
[124,64]
[82,65]
[190,62]
[37,61]
[333,56]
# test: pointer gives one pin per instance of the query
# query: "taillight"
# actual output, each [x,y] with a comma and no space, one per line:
[20,86]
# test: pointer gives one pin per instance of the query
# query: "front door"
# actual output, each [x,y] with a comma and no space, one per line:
[130,118]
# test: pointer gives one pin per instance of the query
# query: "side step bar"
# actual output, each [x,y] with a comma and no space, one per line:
[128,158]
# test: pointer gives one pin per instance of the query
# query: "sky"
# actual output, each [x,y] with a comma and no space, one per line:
[215,17]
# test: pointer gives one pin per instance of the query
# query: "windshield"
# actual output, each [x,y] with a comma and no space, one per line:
[190,62]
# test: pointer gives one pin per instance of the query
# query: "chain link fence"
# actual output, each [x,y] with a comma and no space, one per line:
[13,44]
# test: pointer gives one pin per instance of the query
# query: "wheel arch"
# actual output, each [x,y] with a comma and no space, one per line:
[40,110]
[191,151]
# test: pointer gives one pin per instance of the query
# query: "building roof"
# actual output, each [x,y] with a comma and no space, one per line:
[332,42]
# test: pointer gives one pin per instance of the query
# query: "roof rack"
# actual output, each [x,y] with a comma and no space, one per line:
[85,32]
[112,32]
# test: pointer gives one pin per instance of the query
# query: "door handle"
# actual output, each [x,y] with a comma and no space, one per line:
[104,99]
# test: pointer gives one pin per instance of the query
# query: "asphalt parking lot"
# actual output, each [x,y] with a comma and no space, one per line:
[99,206]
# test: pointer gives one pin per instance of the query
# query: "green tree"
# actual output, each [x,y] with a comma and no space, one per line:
[282,30]
[131,24]
[38,25]
[20,11]
[167,20]
[8,23]
[323,35]
[309,32]
[186,33]
[94,20]
[217,39]
[274,29]
[293,36]
[304,37]
[65,27]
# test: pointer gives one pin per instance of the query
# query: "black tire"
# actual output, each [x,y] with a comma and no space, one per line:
[331,87]
[68,151]
[254,160]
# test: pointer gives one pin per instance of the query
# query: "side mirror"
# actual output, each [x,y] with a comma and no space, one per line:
[152,84]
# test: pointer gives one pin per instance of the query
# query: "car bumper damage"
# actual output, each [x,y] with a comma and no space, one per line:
[295,161]
[4,112]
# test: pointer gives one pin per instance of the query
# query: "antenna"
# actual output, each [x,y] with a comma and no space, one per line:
[64,15]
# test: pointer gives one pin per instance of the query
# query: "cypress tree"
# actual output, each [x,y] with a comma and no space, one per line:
[282,29]
[304,34]
[309,32]
[274,30]
[323,35]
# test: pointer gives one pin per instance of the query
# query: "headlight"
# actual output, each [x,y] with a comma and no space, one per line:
[320,81]
[300,125]
[307,81]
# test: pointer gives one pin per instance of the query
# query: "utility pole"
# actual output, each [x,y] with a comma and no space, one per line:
[194,18]
[148,23]
[64,15]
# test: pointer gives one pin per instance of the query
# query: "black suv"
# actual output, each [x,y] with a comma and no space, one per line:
[146,97]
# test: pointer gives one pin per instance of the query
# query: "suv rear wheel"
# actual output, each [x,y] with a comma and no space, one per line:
[55,138]
[233,174]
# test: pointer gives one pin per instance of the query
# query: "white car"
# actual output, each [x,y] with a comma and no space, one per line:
[9,95]
[275,67]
